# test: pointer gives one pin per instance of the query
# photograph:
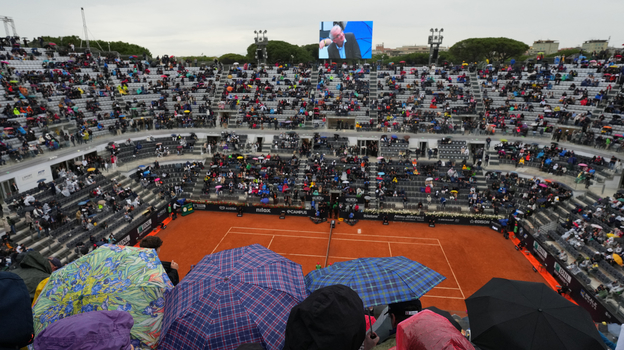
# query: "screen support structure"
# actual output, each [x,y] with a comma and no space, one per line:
[8,21]
[435,39]
[261,43]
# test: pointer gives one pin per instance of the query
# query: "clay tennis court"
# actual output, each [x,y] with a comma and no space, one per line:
[468,256]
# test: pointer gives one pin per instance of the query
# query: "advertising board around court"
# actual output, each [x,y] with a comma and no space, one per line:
[415,217]
[346,40]
[252,209]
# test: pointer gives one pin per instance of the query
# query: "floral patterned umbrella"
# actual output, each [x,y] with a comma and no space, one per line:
[110,278]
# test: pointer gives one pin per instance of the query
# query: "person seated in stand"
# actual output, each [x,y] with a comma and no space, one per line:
[398,313]
[171,268]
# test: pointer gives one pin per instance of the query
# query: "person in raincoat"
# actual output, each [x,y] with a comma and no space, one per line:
[33,268]
[399,312]
[96,330]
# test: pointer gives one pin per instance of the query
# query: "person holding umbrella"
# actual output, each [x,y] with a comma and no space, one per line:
[170,267]
[398,313]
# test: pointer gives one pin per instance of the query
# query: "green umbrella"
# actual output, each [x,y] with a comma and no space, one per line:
[14,81]
[109,278]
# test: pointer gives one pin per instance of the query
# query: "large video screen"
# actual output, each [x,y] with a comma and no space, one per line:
[346,40]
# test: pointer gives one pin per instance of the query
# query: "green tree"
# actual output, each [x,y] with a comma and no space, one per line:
[282,52]
[312,50]
[492,49]
[416,58]
[122,47]
[230,58]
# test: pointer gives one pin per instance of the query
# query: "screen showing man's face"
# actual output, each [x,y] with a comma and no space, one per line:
[337,36]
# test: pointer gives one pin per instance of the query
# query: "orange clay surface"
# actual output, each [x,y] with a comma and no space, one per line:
[468,256]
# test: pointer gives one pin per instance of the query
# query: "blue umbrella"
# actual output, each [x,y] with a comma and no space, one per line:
[41,180]
[83,202]
[381,173]
[236,296]
[378,281]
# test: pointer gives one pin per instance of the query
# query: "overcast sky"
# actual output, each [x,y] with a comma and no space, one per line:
[213,28]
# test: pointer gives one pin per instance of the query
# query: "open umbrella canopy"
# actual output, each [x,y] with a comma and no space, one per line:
[41,180]
[109,278]
[582,164]
[503,140]
[507,314]
[91,169]
[378,281]
[236,296]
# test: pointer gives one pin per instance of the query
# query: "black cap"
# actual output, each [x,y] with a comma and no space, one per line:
[405,308]
[330,318]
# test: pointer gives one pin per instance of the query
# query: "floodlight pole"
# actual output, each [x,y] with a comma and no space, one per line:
[84,25]
[261,43]
[435,39]
[8,21]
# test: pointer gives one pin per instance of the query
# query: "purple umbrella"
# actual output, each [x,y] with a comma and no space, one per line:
[233,297]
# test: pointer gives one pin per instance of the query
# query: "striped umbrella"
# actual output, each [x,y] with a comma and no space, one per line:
[233,297]
[378,281]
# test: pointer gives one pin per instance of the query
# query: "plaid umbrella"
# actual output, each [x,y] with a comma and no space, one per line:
[378,281]
[233,297]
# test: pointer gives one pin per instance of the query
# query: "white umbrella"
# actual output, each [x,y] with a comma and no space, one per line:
[429,179]
[345,182]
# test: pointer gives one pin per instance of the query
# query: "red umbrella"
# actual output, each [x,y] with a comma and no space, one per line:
[582,164]
[543,185]
[52,44]
[379,178]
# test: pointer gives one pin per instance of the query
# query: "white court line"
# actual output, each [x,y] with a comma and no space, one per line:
[333,239]
[389,249]
[274,229]
[222,238]
[268,234]
[361,235]
[269,246]
[318,256]
[436,287]
[451,267]
[436,296]
[366,240]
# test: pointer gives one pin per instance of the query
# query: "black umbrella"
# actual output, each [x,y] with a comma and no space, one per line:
[508,314]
